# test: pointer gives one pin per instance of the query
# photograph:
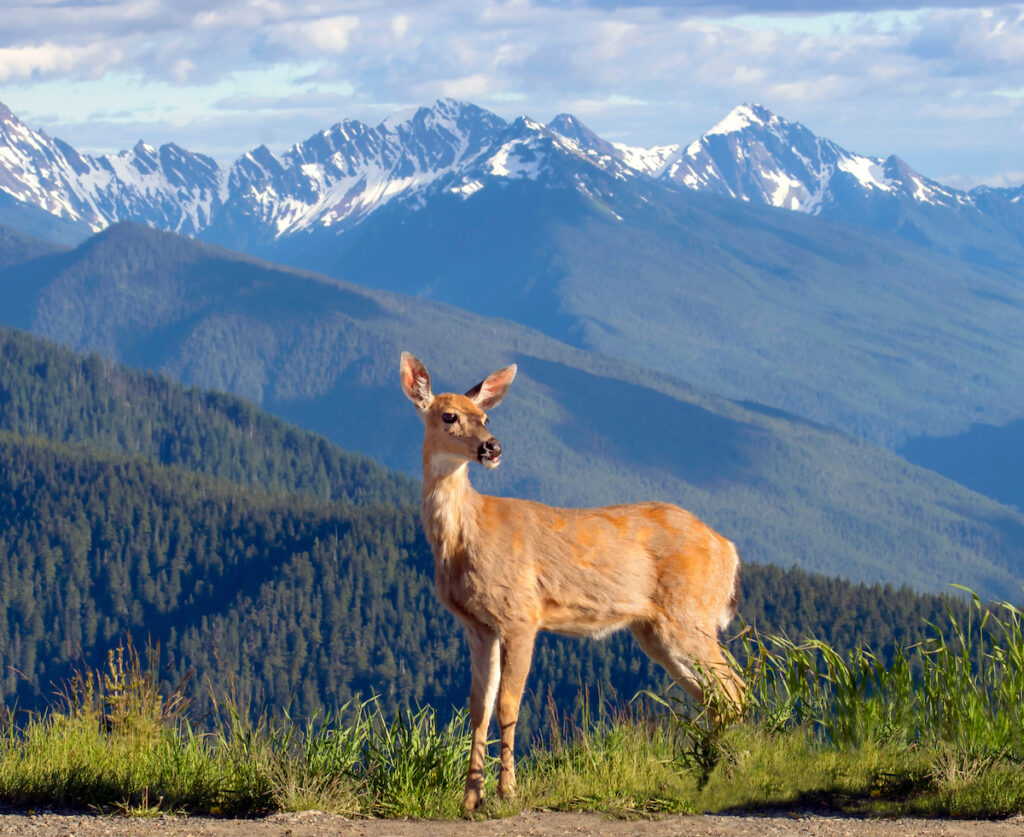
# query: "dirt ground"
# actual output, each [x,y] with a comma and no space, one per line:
[529,824]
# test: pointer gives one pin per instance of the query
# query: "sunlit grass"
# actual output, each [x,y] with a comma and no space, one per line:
[936,729]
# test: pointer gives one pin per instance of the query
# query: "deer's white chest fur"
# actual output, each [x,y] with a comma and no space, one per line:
[448,501]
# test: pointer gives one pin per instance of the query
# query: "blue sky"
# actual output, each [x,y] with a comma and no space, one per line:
[940,85]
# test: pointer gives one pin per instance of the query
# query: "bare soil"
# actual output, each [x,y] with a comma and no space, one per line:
[529,824]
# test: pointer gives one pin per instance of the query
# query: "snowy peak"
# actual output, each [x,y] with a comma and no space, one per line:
[167,187]
[564,153]
[523,150]
[754,155]
[633,158]
[570,127]
[743,118]
[337,177]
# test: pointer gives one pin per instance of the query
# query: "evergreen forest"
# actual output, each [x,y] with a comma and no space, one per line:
[322,355]
[270,565]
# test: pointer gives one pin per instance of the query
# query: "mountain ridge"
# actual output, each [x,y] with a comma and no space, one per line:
[339,175]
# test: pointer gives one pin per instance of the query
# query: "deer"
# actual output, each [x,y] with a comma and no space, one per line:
[508,568]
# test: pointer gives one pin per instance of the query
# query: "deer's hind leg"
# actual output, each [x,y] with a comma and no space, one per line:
[690,658]
[657,649]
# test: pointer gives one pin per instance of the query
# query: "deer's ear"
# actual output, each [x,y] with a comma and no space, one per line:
[415,381]
[489,392]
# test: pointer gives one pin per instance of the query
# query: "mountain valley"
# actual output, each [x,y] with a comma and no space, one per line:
[580,429]
[277,572]
[870,302]
[782,309]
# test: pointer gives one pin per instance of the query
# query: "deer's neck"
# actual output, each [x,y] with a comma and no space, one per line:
[449,506]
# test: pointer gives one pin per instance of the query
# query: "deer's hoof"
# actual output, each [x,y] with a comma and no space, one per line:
[471,801]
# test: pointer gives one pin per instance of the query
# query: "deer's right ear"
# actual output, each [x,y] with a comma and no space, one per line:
[415,381]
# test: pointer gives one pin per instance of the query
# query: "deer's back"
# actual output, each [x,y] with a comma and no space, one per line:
[590,571]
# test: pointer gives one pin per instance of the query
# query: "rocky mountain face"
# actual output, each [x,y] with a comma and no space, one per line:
[754,155]
[338,177]
[167,187]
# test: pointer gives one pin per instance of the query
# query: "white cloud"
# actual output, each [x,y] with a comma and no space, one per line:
[808,90]
[400,25]
[181,70]
[469,87]
[1000,180]
[881,82]
[51,59]
[329,34]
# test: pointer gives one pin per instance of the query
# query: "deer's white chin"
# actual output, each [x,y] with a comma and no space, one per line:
[489,462]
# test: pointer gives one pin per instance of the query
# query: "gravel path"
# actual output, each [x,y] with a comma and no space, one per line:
[529,824]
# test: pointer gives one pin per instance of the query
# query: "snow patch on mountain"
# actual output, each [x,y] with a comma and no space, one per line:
[756,156]
[740,119]
[340,176]
[514,160]
[868,172]
[646,160]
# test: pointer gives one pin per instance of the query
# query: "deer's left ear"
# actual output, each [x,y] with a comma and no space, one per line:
[489,392]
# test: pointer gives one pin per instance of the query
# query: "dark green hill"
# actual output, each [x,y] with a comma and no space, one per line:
[50,391]
[286,595]
[579,429]
[291,602]
[17,247]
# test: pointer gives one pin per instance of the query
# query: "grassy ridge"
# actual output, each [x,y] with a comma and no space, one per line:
[939,730]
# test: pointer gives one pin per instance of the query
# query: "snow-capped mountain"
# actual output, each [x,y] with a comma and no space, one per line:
[532,151]
[640,159]
[167,187]
[337,178]
[754,155]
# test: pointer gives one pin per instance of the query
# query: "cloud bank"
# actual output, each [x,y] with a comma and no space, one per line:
[940,84]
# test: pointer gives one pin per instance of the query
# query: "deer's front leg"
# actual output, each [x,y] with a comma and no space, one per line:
[485,665]
[516,654]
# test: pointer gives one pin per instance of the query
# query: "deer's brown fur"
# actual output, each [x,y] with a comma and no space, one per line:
[509,568]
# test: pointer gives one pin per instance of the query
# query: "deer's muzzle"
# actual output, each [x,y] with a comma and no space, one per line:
[489,453]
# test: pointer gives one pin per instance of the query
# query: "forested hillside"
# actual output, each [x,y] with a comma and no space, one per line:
[292,591]
[580,429]
[47,390]
[17,247]
[294,602]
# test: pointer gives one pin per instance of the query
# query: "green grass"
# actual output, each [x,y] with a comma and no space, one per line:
[938,730]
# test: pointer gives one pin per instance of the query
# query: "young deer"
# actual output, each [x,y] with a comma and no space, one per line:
[510,568]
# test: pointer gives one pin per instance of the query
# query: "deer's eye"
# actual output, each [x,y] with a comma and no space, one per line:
[449,418]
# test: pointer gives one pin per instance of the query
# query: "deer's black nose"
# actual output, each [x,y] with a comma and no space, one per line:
[491,448]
